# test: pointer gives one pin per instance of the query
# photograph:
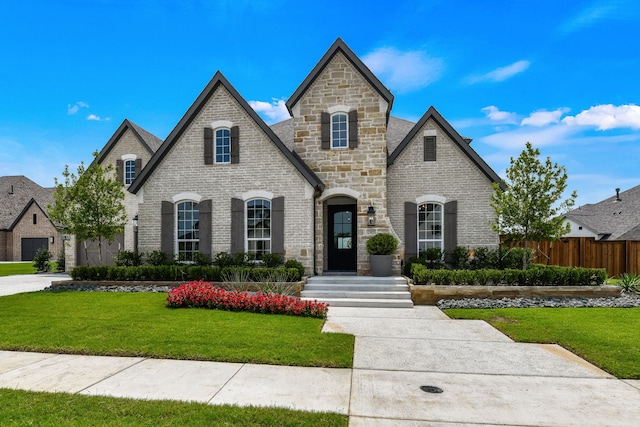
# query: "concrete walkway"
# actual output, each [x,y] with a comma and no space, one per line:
[485,378]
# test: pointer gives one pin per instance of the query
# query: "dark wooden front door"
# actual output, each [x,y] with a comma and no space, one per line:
[342,238]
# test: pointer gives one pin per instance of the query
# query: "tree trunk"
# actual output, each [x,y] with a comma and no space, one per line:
[100,250]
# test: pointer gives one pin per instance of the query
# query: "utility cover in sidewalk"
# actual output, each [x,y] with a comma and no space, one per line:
[430,389]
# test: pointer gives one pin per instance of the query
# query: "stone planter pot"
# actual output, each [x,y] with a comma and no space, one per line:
[381,265]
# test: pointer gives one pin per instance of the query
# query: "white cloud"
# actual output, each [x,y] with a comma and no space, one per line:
[607,116]
[95,118]
[404,71]
[73,109]
[592,15]
[516,139]
[502,117]
[275,111]
[502,73]
[543,117]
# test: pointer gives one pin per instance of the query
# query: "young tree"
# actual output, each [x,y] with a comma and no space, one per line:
[89,204]
[529,208]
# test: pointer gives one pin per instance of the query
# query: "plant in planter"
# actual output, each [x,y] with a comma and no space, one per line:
[380,248]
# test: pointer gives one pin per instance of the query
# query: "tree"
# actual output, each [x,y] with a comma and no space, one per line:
[89,205]
[529,208]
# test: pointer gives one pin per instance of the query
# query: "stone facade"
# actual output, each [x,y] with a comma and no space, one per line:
[359,173]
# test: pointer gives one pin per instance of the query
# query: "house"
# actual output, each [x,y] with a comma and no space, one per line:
[24,224]
[615,218]
[316,186]
[129,149]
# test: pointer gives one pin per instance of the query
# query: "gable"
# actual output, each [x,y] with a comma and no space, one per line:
[15,193]
[433,115]
[340,47]
[219,101]
[130,138]
[27,208]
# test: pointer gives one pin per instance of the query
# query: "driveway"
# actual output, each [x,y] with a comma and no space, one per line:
[10,285]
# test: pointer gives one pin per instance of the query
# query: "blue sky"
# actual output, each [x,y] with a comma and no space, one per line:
[560,74]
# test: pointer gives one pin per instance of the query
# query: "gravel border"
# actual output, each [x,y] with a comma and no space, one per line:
[623,301]
[102,288]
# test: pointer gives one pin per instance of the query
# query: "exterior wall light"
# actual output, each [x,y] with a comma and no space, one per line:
[371,216]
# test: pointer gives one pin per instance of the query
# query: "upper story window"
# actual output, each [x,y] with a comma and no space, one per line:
[223,145]
[258,227]
[430,225]
[339,130]
[129,171]
[188,229]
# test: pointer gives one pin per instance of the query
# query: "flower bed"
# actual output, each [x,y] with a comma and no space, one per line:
[203,294]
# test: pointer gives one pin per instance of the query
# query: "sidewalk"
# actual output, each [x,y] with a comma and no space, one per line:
[486,378]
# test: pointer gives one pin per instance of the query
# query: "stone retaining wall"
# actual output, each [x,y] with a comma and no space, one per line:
[431,294]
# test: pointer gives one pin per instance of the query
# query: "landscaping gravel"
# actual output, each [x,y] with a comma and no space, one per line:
[623,301]
[100,288]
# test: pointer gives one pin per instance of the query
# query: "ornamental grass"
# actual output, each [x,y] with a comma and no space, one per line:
[201,294]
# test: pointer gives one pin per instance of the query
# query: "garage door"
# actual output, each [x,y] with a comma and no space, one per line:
[31,245]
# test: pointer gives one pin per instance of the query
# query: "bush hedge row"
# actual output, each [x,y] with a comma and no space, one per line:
[535,276]
[185,273]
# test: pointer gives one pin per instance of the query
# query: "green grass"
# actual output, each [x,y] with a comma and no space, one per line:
[23,408]
[139,324]
[9,269]
[606,337]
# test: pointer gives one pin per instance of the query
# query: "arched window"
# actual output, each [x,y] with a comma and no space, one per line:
[339,130]
[129,171]
[188,228]
[258,227]
[223,145]
[430,226]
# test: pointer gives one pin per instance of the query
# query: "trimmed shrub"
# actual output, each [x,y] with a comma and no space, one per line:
[292,263]
[536,276]
[459,258]
[128,259]
[271,260]
[382,244]
[434,258]
[409,263]
[157,258]
[41,260]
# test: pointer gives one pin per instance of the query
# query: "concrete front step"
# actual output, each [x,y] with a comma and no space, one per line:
[359,291]
[363,302]
[314,294]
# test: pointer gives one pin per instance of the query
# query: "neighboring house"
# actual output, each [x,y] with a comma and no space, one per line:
[24,224]
[314,187]
[128,150]
[615,218]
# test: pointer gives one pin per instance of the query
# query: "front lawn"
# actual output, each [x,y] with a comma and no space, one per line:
[606,337]
[140,324]
[22,408]
[11,268]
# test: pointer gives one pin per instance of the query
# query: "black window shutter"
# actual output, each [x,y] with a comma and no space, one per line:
[208,146]
[235,144]
[410,230]
[429,148]
[450,226]
[166,229]
[120,169]
[325,130]
[353,129]
[237,226]
[138,163]
[205,226]
[277,225]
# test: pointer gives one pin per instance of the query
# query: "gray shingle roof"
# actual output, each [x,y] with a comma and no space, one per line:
[12,203]
[147,139]
[615,220]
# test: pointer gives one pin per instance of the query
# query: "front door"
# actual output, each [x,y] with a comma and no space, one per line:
[342,238]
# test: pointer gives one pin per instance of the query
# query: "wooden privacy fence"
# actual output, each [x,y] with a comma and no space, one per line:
[617,256]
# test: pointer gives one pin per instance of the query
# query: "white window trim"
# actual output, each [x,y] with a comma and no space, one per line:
[257,194]
[430,132]
[215,145]
[186,197]
[176,246]
[124,172]
[246,220]
[339,109]
[221,124]
[441,240]
[340,191]
[430,198]
[346,114]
